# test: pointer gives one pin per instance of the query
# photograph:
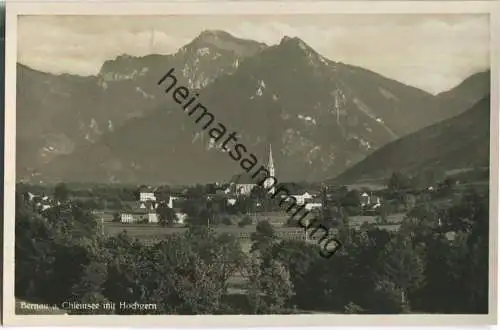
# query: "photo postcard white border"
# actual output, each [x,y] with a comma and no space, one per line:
[13,9]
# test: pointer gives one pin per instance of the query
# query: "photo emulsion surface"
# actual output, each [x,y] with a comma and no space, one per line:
[246,164]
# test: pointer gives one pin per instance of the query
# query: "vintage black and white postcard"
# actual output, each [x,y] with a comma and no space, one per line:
[251,164]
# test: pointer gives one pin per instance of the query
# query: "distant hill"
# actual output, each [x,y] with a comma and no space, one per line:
[463,96]
[457,143]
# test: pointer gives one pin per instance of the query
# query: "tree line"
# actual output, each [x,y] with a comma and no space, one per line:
[436,263]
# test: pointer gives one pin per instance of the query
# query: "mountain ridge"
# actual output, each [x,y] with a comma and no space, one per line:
[320,115]
[58,113]
[447,148]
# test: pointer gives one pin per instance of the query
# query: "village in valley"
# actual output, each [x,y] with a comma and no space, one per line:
[236,207]
[151,212]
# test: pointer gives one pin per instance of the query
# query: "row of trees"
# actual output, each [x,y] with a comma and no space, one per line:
[436,263]
[62,256]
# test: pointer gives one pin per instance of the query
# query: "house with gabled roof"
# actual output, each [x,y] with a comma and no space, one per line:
[303,198]
[148,205]
[139,215]
[242,184]
[147,194]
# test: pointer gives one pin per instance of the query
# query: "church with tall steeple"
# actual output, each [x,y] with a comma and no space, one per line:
[272,172]
[243,183]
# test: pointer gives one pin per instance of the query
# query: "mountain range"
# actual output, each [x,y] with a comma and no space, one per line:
[320,116]
[59,113]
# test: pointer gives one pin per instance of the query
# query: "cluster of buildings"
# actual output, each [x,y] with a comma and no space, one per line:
[146,209]
[369,200]
[243,184]
[41,202]
[145,212]
[240,185]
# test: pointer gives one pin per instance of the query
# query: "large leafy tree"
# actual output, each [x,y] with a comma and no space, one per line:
[166,215]
[128,264]
[197,212]
[34,252]
[52,250]
[399,181]
[456,255]
[264,237]
[298,258]
[269,288]
[190,272]
[403,266]
[352,199]
[61,192]
[89,288]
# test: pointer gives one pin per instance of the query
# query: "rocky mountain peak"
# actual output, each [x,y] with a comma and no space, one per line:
[300,50]
[290,39]
[295,42]
[215,34]
[227,42]
[127,67]
[120,61]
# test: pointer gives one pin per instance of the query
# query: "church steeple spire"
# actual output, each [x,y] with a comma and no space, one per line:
[272,171]
[271,162]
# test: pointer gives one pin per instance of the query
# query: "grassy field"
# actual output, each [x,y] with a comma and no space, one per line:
[275,218]
[149,231]
[154,231]
[370,185]
[358,220]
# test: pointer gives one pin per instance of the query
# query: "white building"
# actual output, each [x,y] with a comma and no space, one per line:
[31,196]
[369,199]
[153,217]
[171,201]
[147,196]
[148,205]
[181,217]
[242,184]
[312,206]
[139,215]
[302,199]
[364,199]
[244,188]
[127,218]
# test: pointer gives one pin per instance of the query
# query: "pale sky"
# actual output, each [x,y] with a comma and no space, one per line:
[432,52]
